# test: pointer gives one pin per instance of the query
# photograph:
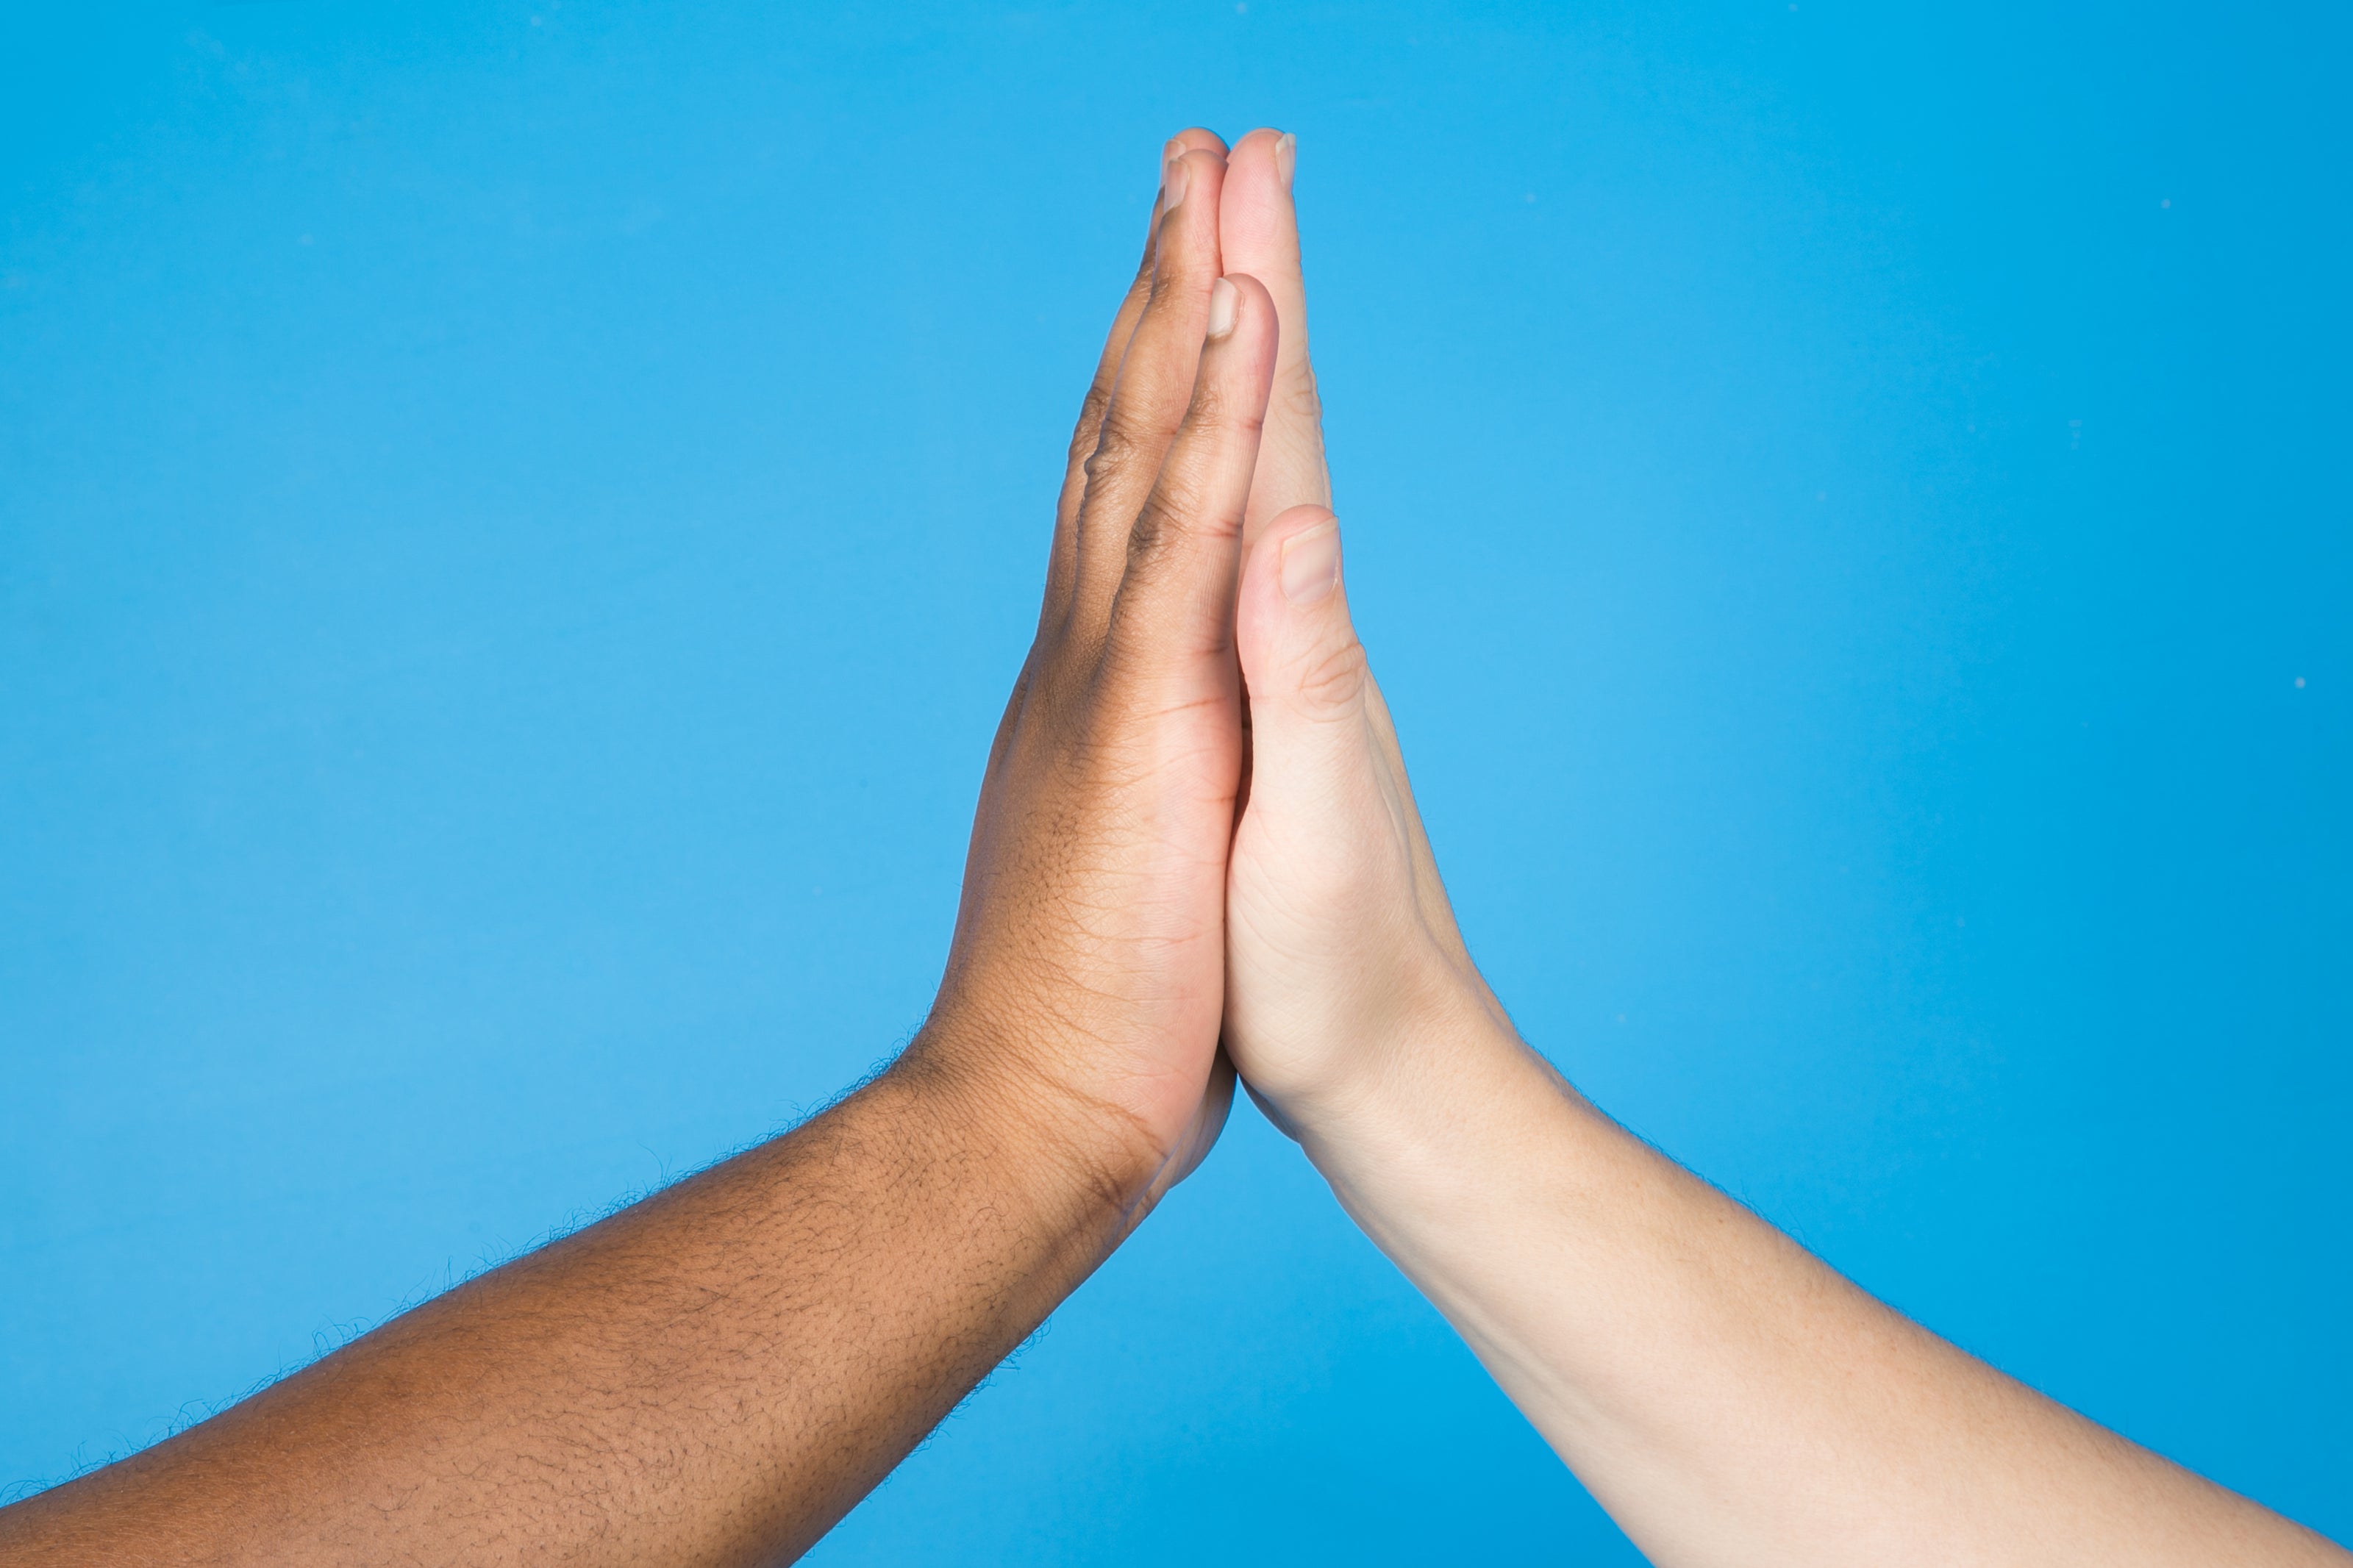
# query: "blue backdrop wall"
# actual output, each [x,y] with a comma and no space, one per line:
[516,522]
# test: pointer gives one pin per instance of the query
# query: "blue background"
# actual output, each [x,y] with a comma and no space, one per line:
[516,525]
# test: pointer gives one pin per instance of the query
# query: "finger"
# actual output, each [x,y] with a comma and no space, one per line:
[1321,735]
[1300,656]
[1062,560]
[1318,721]
[1154,387]
[1176,600]
[1258,233]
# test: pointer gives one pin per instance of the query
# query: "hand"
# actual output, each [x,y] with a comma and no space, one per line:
[1723,1394]
[717,1374]
[1343,960]
[1088,963]
[1258,230]
[1340,941]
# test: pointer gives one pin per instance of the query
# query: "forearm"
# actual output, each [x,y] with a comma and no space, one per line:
[1729,1398]
[712,1376]
[715,1375]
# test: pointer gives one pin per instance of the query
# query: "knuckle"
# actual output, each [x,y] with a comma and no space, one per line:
[1301,400]
[1158,531]
[1225,410]
[1332,679]
[1092,410]
[1117,445]
[1177,513]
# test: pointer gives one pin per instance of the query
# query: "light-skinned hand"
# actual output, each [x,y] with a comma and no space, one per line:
[1732,1402]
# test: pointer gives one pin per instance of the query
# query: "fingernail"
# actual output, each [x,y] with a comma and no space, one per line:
[1223,299]
[1286,156]
[1310,564]
[1170,154]
[1173,183]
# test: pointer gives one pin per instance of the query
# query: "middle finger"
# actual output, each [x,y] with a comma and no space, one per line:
[1154,388]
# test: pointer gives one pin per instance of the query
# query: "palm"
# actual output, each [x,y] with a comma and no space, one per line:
[1095,888]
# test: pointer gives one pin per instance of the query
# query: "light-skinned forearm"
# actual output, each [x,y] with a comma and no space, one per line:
[1729,1398]
[710,1378]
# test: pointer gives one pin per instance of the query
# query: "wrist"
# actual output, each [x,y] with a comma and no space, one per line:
[1339,1055]
[1084,1156]
[1430,1086]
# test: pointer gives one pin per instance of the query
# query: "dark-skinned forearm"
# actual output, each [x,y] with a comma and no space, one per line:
[714,1375]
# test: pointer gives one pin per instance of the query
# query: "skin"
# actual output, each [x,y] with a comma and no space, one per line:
[717,1375]
[1727,1397]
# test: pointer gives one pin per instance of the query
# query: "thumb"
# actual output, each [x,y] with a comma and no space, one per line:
[1300,655]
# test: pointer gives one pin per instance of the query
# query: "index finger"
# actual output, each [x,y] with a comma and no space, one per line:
[1061,565]
[1258,227]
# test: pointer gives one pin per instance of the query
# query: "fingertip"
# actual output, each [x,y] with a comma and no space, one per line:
[1257,219]
[1194,139]
[1192,194]
[1261,163]
[1243,313]
[1181,161]
[1178,167]
[1184,238]
[1266,142]
[1247,287]
[1224,302]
